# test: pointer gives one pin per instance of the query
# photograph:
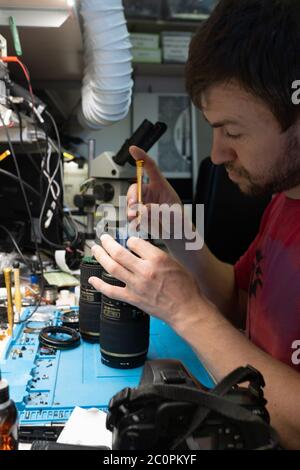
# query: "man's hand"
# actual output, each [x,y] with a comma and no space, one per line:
[157,191]
[162,213]
[155,282]
[160,286]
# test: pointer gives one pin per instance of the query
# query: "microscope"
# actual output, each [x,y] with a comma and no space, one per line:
[109,178]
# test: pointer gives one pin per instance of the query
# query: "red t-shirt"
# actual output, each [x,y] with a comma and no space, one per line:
[270,272]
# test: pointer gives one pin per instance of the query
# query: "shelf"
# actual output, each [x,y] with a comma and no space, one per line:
[159,70]
[55,55]
[140,70]
[156,26]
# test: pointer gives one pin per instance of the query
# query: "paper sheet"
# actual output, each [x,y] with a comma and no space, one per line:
[60,259]
[86,427]
[61,279]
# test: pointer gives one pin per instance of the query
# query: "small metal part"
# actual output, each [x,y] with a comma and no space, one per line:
[70,319]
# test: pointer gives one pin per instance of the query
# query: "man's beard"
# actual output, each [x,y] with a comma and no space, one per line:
[283,177]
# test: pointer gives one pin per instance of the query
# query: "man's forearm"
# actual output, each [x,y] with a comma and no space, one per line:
[210,339]
[215,278]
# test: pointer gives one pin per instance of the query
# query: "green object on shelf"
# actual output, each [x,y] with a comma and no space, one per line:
[15,35]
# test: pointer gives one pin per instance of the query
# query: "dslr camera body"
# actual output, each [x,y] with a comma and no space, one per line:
[171,410]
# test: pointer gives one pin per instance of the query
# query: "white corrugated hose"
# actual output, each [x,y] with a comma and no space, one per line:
[107,82]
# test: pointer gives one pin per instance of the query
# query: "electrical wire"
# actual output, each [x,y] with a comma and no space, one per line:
[14,177]
[46,171]
[58,167]
[25,71]
[15,244]
[51,182]
[55,191]
[21,139]
[35,165]
[72,223]
[30,218]
[22,185]
[61,208]
[79,222]
[55,197]
[45,167]
[17,111]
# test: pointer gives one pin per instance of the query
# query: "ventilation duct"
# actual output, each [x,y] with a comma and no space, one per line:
[107,83]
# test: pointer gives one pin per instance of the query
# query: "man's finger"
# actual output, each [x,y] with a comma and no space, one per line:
[132,194]
[113,292]
[150,166]
[120,254]
[143,248]
[110,265]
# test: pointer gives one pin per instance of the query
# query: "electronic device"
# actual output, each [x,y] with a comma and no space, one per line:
[110,176]
[171,410]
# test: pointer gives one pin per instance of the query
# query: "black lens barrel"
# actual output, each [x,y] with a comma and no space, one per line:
[124,329]
[90,300]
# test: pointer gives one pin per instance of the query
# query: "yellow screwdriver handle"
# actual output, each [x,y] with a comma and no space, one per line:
[139,177]
[10,309]
[18,297]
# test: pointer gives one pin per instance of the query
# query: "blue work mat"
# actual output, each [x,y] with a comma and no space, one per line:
[46,388]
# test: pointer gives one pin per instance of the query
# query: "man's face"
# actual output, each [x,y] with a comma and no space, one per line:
[248,140]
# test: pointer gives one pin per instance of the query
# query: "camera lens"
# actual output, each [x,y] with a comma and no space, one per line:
[90,300]
[70,319]
[124,329]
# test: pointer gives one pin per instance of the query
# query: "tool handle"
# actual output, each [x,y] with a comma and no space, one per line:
[139,175]
[18,297]
[10,309]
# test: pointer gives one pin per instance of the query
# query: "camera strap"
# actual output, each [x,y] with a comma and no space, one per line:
[213,401]
[234,378]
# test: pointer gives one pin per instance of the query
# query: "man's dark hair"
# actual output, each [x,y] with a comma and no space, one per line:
[253,42]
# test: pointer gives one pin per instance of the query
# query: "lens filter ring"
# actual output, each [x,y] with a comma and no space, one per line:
[68,338]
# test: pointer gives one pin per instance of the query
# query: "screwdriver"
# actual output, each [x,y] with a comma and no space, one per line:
[139,177]
[10,309]
[18,297]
